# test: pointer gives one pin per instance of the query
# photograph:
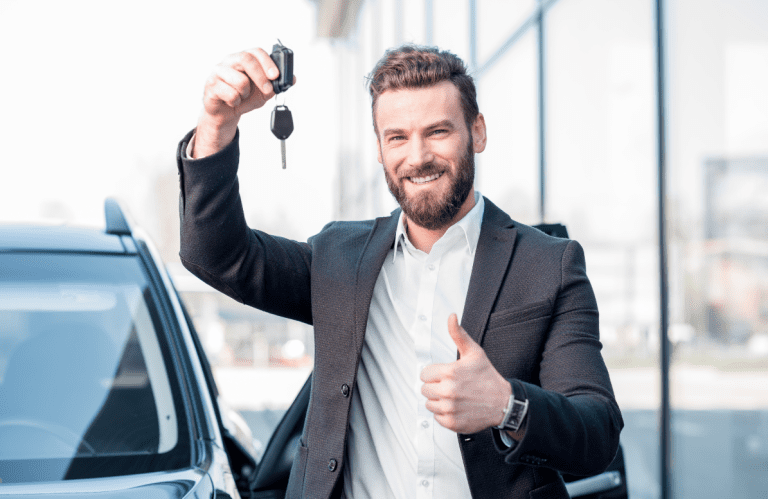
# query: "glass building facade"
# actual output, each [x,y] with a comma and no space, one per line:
[643,127]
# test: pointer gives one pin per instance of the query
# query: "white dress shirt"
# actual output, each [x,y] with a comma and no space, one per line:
[395,448]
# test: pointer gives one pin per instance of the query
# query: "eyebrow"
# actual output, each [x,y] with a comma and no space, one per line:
[399,131]
[441,124]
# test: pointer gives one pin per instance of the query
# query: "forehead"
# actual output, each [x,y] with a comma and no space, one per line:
[414,107]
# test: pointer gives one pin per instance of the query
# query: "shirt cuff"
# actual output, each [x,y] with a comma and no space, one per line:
[190,147]
[508,441]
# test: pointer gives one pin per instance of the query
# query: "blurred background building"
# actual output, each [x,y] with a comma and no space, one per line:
[571,92]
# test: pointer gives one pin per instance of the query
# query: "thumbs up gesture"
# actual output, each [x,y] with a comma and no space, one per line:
[467,395]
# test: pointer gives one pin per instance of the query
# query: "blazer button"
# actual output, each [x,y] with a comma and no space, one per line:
[345,390]
[332,465]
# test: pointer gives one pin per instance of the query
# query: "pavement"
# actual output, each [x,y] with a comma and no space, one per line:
[719,424]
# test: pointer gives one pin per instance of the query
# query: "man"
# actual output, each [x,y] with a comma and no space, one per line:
[405,401]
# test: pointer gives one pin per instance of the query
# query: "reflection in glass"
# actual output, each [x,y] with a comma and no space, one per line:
[601,183]
[82,373]
[718,150]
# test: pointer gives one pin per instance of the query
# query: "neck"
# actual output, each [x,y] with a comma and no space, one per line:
[423,239]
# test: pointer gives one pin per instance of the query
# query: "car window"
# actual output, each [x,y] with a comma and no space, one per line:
[86,384]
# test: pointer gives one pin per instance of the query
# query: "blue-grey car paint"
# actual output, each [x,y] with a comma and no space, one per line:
[210,471]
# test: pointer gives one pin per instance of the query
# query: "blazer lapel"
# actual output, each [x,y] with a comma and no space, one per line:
[494,253]
[381,239]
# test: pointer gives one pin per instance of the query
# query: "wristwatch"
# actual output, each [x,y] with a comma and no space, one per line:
[514,414]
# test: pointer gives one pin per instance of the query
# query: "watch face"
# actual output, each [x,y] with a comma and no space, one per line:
[516,415]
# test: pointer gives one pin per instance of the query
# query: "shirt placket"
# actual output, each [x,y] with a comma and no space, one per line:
[425,443]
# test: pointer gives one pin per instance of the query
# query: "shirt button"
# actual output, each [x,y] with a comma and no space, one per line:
[345,390]
[431,266]
[425,483]
[422,317]
[332,465]
[425,424]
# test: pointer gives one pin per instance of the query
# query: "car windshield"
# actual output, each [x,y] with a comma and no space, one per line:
[85,379]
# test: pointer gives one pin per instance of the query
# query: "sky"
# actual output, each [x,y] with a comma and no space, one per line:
[96,96]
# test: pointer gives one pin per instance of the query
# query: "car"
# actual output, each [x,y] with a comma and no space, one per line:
[104,386]
[105,389]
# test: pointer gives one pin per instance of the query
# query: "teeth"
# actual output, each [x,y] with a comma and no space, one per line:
[422,180]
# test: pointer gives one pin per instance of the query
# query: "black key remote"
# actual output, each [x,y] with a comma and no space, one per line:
[282,126]
[283,58]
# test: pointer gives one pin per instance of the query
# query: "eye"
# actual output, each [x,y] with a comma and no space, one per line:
[439,131]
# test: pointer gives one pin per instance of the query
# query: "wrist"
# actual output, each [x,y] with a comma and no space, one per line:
[212,135]
[515,412]
[501,403]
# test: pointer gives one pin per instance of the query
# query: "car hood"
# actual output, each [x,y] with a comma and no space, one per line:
[163,485]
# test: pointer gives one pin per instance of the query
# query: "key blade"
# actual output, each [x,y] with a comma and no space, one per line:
[282,150]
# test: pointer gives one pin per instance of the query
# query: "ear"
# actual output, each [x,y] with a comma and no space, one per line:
[479,138]
[379,158]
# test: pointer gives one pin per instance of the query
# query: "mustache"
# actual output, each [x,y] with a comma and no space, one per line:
[424,170]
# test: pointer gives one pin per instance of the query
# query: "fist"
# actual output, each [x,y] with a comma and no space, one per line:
[240,83]
[467,395]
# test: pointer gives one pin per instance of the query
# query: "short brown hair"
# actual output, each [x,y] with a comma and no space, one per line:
[416,66]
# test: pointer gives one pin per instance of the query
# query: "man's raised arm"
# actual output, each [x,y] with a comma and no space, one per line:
[267,272]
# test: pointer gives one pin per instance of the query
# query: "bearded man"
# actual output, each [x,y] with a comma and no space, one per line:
[457,351]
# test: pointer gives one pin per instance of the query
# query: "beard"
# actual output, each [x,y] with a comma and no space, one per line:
[433,210]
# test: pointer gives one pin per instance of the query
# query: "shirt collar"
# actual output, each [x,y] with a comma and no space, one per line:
[469,226]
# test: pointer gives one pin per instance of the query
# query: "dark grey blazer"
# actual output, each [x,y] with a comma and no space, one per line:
[529,305]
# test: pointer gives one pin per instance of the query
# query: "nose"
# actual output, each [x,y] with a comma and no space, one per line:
[419,152]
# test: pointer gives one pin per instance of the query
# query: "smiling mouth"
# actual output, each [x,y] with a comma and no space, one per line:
[424,180]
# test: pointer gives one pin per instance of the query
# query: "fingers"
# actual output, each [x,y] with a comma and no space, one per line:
[445,389]
[259,67]
[240,83]
[441,407]
[464,343]
[230,86]
[434,373]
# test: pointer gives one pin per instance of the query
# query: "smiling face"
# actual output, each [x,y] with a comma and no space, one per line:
[428,152]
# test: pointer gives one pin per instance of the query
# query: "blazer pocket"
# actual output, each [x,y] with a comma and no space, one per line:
[517,315]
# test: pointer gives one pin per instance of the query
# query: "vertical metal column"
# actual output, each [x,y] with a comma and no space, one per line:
[664,416]
[542,114]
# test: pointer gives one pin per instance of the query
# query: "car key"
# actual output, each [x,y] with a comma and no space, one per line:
[283,58]
[282,126]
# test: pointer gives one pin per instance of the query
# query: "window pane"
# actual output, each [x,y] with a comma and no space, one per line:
[496,21]
[507,171]
[601,183]
[718,223]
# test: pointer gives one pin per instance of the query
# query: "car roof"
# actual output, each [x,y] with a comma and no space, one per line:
[58,238]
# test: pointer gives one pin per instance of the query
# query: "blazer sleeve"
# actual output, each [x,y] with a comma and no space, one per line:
[573,422]
[267,272]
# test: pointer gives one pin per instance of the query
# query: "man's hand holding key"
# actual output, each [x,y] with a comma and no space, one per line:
[239,84]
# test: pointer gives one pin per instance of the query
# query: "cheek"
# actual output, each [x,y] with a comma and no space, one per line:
[392,160]
[451,151]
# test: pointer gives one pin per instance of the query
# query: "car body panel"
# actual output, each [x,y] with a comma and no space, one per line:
[162,485]
[58,238]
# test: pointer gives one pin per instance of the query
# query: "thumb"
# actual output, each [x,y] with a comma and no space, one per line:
[460,337]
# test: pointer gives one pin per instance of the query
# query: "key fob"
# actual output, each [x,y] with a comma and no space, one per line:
[283,58]
[282,122]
